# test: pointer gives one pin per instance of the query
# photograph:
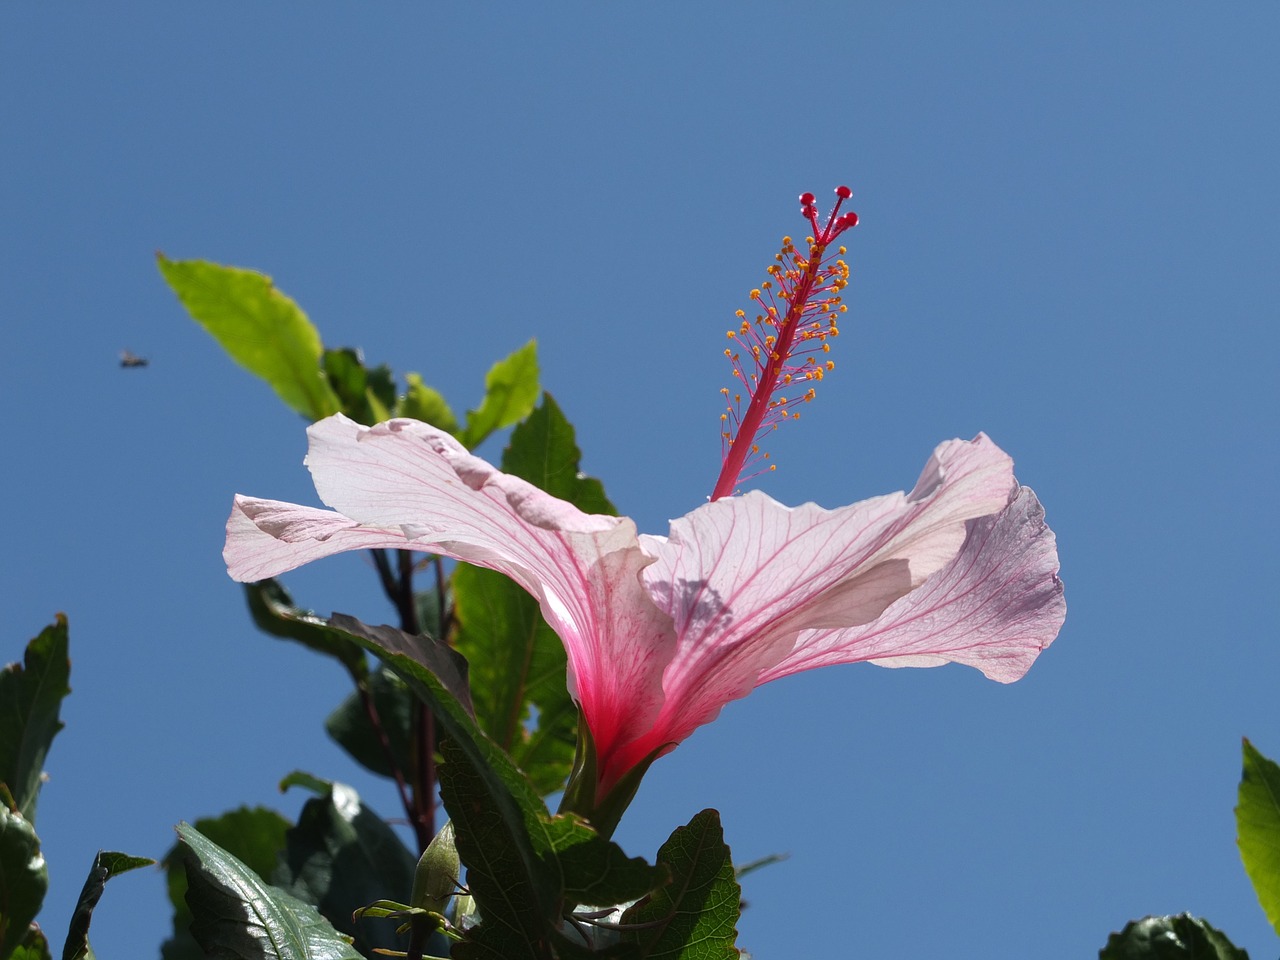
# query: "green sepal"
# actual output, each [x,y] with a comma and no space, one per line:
[236,914]
[1178,937]
[274,613]
[695,916]
[604,813]
[24,879]
[105,866]
[510,391]
[1258,829]
[253,835]
[341,855]
[262,329]
[31,696]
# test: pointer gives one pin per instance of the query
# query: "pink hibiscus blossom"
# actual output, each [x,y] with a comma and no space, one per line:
[662,632]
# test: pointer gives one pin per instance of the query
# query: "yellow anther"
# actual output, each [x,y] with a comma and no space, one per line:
[831,365]
[755,294]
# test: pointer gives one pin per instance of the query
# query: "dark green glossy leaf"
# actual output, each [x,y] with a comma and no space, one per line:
[1180,937]
[236,915]
[253,835]
[34,946]
[273,611]
[1258,829]
[350,726]
[510,391]
[24,879]
[341,856]
[105,866]
[426,404]
[512,886]
[261,328]
[30,697]
[695,916]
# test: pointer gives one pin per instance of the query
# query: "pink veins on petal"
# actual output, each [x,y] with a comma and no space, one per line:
[779,355]
[662,632]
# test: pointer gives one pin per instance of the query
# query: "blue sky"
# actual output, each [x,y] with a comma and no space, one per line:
[1070,221]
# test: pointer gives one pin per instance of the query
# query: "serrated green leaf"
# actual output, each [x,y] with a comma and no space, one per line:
[544,451]
[236,915]
[30,698]
[341,856]
[510,391]
[261,328]
[595,871]
[694,917]
[510,883]
[426,404]
[106,865]
[24,879]
[274,613]
[1258,829]
[253,835]
[350,727]
[1180,937]
[33,947]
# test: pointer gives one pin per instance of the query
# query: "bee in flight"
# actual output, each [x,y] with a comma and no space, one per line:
[129,359]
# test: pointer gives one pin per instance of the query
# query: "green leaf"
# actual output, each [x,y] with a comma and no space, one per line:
[1258,827]
[30,697]
[34,946]
[516,660]
[359,390]
[105,866]
[426,404]
[261,328]
[521,863]
[544,451]
[255,836]
[273,611]
[350,727]
[236,915]
[694,917]
[510,391]
[1180,937]
[341,856]
[24,879]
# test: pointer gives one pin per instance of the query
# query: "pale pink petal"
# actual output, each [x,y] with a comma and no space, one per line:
[741,577]
[406,484]
[265,538]
[994,607]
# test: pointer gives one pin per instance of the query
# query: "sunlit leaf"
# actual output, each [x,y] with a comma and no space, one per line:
[426,404]
[33,947]
[236,915]
[694,917]
[31,695]
[510,391]
[261,328]
[1258,829]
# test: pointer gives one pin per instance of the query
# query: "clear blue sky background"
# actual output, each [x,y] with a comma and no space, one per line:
[1070,227]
